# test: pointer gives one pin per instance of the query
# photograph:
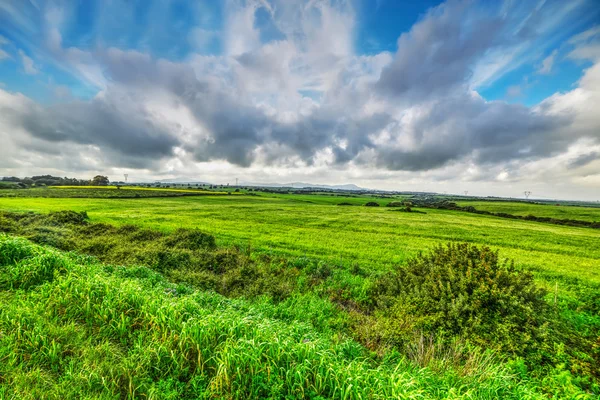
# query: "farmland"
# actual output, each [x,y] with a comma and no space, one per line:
[314,226]
[106,192]
[539,210]
[303,263]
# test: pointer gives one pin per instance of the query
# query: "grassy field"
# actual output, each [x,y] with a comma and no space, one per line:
[105,192]
[312,226]
[303,262]
[591,214]
[76,328]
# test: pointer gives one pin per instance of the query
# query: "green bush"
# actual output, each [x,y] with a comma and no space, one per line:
[461,290]
[372,204]
[394,204]
[191,239]
[67,217]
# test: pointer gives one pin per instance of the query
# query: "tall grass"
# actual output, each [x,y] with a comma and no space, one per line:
[388,314]
[71,327]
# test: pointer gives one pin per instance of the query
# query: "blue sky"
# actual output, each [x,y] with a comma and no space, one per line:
[328,90]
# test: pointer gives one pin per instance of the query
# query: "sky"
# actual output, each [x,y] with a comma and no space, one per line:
[490,97]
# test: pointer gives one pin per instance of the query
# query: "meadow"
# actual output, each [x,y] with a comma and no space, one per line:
[106,192]
[302,262]
[315,227]
[558,211]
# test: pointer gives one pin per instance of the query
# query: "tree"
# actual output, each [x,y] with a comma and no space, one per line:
[100,180]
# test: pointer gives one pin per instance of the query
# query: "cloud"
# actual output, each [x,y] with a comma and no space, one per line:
[28,65]
[514,91]
[586,45]
[113,122]
[3,54]
[547,64]
[583,159]
[438,54]
[302,101]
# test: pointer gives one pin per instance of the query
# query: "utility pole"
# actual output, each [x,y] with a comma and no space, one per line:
[527,193]
[125,175]
[236,182]
[466,192]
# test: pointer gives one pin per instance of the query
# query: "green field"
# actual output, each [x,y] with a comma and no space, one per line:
[371,236]
[77,328]
[591,214]
[105,192]
[302,263]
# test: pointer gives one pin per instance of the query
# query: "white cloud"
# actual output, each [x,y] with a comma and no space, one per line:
[547,64]
[514,91]
[28,65]
[3,54]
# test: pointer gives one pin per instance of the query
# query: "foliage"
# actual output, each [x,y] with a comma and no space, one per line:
[395,204]
[317,264]
[461,290]
[45,180]
[372,204]
[99,180]
[80,329]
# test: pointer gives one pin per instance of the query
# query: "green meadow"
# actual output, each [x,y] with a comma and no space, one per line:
[314,226]
[539,210]
[275,295]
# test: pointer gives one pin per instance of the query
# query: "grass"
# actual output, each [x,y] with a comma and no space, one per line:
[75,328]
[591,214]
[373,237]
[105,192]
[302,260]
[134,188]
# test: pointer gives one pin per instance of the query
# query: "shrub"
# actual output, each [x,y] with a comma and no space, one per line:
[67,217]
[191,239]
[394,204]
[7,225]
[460,290]
[344,204]
[372,204]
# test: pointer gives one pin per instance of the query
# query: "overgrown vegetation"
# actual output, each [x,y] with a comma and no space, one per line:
[79,329]
[439,310]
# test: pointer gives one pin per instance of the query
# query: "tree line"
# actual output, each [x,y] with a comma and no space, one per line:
[49,180]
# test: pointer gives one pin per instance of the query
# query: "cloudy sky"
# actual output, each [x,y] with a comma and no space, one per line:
[491,97]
